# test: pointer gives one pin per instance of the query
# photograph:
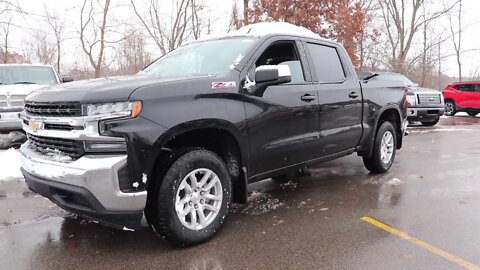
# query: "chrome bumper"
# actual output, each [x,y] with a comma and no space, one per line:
[10,121]
[97,174]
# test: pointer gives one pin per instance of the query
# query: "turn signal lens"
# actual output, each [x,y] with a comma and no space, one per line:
[136,108]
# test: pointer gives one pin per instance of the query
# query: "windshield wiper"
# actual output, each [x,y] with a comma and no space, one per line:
[24,83]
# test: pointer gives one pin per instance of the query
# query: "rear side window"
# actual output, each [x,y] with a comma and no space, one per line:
[327,63]
[465,87]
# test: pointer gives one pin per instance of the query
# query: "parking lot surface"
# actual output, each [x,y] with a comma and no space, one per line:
[432,193]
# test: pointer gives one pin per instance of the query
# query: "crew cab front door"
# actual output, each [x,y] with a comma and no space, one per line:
[282,123]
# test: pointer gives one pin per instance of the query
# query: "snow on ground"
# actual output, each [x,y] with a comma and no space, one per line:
[10,165]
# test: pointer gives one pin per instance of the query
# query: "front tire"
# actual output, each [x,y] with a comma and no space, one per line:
[430,123]
[384,149]
[189,205]
[472,113]
[450,109]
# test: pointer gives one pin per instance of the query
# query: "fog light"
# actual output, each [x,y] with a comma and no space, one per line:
[99,147]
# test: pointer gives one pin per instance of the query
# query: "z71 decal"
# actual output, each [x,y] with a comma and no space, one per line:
[223,85]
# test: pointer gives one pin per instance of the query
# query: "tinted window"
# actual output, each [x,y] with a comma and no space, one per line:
[327,63]
[465,87]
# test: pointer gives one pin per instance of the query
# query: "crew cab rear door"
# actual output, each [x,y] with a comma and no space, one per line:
[282,122]
[339,97]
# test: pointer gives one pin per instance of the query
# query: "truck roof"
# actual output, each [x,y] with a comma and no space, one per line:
[25,65]
[264,29]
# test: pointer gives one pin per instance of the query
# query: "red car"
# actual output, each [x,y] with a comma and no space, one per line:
[462,97]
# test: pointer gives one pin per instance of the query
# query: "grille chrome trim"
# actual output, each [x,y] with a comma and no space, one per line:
[429,99]
[46,145]
[56,110]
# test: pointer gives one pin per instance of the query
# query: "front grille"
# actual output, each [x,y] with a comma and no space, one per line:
[429,99]
[54,146]
[60,110]
[60,127]
[12,101]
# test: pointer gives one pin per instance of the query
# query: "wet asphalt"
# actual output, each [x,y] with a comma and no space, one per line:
[432,193]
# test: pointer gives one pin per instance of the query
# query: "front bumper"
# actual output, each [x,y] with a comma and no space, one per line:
[10,120]
[88,187]
[424,114]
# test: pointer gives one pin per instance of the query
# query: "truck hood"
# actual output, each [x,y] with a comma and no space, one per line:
[110,89]
[19,89]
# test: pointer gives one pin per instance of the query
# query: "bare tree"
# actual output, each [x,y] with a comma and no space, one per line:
[6,28]
[94,44]
[403,19]
[132,54]
[457,38]
[180,25]
[42,48]
[57,25]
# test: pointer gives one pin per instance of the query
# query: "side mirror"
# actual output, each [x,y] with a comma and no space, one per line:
[66,79]
[269,75]
[273,75]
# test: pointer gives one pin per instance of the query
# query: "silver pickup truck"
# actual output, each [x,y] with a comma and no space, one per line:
[424,105]
[16,82]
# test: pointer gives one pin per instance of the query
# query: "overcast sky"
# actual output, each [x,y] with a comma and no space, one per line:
[220,12]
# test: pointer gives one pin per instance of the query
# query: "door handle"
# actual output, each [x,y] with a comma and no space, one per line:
[308,98]
[353,95]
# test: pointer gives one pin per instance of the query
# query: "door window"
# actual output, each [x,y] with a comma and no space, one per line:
[327,63]
[283,53]
[465,87]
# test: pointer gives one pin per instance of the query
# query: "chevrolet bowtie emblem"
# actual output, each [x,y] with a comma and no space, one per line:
[9,101]
[35,125]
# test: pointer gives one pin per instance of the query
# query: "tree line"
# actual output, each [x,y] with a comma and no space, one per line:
[392,35]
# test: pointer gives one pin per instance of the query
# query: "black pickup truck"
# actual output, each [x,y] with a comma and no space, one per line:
[180,141]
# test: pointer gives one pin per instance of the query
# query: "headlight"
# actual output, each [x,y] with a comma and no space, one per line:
[411,100]
[116,109]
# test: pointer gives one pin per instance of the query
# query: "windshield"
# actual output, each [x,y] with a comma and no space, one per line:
[202,58]
[394,77]
[27,75]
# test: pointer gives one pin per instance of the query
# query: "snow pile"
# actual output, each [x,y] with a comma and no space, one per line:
[395,182]
[10,164]
[51,154]
[14,137]
[261,203]
[265,28]
[290,185]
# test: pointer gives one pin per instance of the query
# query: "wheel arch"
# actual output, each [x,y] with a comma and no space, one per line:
[389,113]
[216,135]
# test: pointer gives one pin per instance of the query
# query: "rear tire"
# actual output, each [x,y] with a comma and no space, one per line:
[189,202]
[430,123]
[472,113]
[384,149]
[450,109]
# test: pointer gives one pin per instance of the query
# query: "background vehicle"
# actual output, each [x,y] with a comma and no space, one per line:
[181,140]
[16,82]
[462,97]
[424,105]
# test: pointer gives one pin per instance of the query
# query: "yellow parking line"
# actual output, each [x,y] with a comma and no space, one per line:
[427,246]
